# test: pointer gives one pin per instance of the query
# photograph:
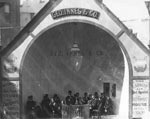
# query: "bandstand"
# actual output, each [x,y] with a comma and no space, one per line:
[36,61]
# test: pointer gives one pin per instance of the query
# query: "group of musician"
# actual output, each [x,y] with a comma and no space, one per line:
[52,107]
[46,108]
[99,104]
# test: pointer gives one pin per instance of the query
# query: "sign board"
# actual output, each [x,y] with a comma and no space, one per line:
[10,98]
[140,103]
[75,12]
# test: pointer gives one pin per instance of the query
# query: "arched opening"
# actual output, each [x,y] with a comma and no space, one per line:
[48,67]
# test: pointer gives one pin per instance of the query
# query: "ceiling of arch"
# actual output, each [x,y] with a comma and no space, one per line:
[102,57]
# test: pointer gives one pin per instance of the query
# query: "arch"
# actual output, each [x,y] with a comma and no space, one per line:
[72,21]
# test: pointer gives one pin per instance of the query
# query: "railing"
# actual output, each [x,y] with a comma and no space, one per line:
[75,111]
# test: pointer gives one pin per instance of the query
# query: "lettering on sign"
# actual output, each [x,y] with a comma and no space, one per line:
[140,101]
[75,12]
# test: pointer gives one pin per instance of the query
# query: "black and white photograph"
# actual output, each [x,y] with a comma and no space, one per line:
[74,59]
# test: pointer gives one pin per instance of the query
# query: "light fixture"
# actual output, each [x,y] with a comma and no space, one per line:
[76,57]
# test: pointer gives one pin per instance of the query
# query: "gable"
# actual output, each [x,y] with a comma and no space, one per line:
[92,12]
[58,12]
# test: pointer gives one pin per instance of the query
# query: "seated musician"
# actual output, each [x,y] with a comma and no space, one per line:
[30,106]
[102,103]
[77,99]
[56,105]
[69,98]
[45,105]
[108,106]
[95,104]
[85,98]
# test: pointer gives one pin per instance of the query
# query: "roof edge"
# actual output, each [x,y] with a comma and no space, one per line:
[120,23]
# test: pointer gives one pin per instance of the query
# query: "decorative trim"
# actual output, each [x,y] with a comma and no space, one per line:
[140,65]
[32,35]
[120,34]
